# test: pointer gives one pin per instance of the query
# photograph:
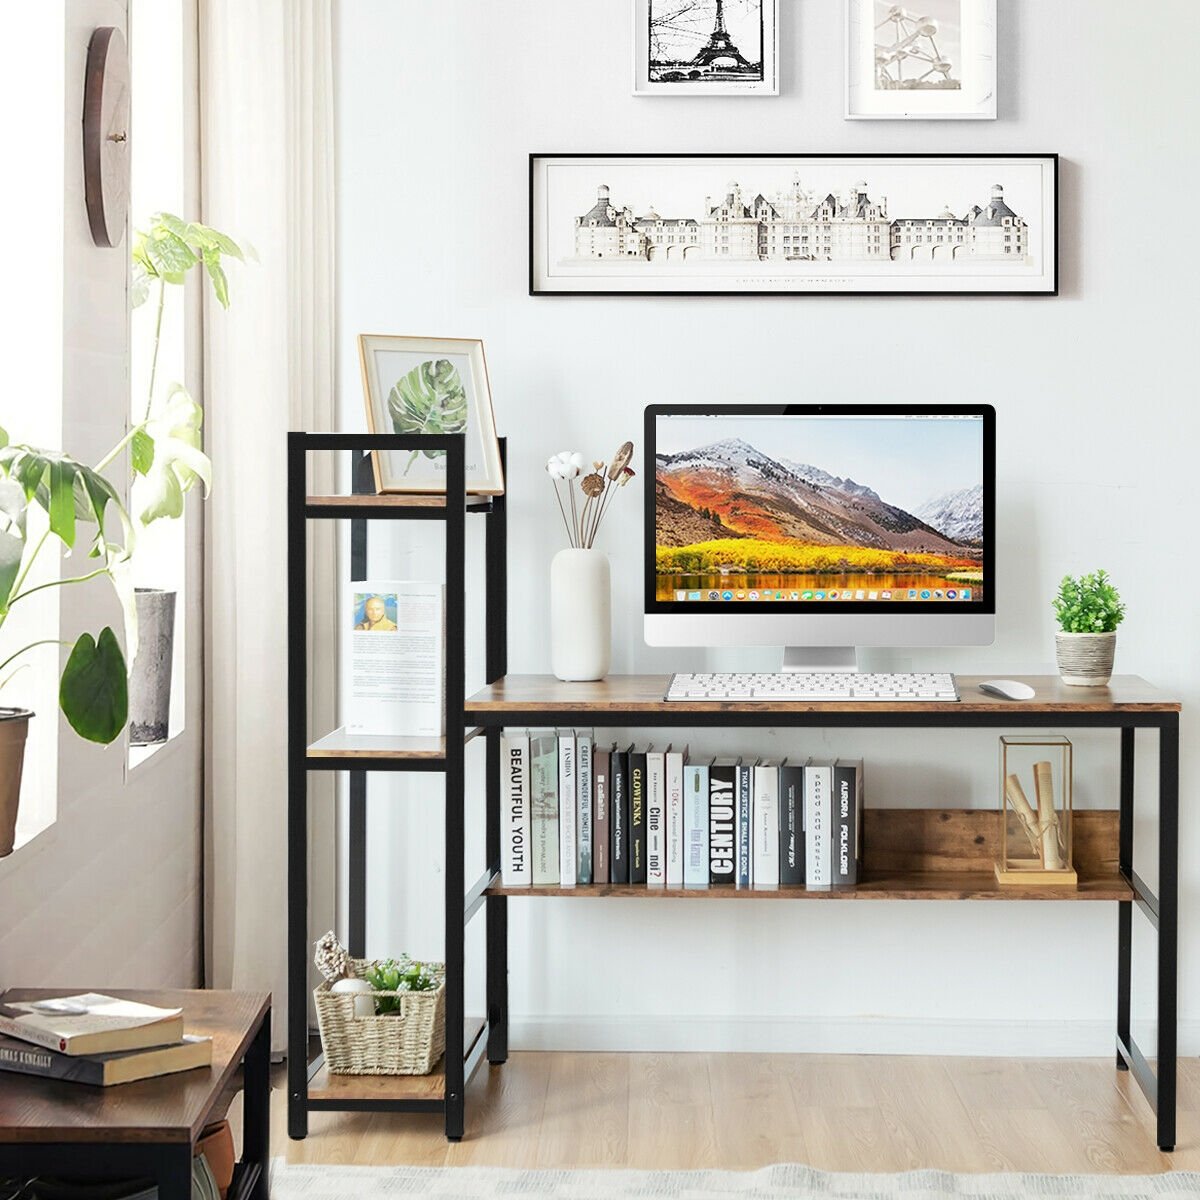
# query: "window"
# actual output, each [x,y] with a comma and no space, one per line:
[35,87]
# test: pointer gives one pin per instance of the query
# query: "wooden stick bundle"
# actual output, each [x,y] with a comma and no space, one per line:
[1025,813]
[1052,852]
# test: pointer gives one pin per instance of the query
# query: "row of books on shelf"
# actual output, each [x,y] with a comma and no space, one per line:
[576,812]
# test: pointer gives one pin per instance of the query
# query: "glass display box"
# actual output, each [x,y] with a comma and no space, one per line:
[1035,812]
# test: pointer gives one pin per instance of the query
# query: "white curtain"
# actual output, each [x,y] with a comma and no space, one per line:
[266,176]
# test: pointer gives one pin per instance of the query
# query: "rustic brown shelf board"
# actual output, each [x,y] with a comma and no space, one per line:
[407,500]
[644,694]
[325,1086]
[932,885]
[340,744]
[920,854]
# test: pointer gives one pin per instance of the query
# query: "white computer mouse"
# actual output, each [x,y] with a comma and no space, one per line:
[1007,689]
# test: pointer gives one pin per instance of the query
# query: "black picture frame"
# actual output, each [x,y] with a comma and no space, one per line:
[985,606]
[1052,263]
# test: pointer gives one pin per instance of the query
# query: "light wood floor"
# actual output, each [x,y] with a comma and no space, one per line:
[742,1111]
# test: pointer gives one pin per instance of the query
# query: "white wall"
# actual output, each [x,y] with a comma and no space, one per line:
[109,895]
[439,105]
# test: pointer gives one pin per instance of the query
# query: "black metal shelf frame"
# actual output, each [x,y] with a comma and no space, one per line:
[1161,909]
[460,905]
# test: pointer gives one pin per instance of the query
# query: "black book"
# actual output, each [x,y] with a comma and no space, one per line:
[722,821]
[745,777]
[847,821]
[619,815]
[791,825]
[637,816]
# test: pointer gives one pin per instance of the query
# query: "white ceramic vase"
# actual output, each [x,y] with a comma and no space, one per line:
[580,615]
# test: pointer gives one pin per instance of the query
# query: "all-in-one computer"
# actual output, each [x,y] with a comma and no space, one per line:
[819,528]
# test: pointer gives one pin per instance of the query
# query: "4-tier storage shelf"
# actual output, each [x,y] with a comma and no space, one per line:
[909,854]
[310,1086]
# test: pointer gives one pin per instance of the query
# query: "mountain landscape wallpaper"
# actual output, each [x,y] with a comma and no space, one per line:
[732,510]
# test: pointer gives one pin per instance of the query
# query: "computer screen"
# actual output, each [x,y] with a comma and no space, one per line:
[811,508]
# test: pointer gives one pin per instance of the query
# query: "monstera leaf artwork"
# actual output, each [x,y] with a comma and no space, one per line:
[429,399]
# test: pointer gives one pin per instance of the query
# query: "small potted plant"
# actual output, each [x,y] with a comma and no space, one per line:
[1088,609]
[163,254]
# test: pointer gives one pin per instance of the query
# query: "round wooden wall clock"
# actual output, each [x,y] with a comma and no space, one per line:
[106,135]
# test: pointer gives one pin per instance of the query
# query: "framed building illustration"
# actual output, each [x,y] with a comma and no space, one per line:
[793,224]
[705,47]
[935,61]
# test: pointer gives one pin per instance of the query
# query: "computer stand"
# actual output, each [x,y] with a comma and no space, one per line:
[820,658]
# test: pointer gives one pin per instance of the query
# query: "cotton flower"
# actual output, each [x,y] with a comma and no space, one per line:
[567,464]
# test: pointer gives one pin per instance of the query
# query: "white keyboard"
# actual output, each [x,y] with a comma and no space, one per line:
[804,686]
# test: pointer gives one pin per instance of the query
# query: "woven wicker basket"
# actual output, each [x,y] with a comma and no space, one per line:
[408,1042]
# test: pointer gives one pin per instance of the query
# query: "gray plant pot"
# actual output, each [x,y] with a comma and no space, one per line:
[14,725]
[1085,659]
[150,679]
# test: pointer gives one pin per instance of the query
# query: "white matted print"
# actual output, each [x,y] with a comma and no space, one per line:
[794,224]
[420,385]
[930,60]
[705,47]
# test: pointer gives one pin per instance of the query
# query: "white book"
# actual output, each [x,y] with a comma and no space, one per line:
[673,831]
[818,824]
[695,819]
[765,815]
[567,837]
[656,859]
[516,860]
[584,833]
[394,658]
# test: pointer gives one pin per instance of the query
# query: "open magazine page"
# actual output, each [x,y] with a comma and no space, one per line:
[393,661]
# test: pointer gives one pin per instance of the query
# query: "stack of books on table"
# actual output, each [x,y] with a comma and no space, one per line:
[96,1039]
[578,812]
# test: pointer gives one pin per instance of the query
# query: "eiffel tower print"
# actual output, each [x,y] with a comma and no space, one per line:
[691,41]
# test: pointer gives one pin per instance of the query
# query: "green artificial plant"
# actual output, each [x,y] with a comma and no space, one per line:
[404,975]
[1088,604]
[77,504]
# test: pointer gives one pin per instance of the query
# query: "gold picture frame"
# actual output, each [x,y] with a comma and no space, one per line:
[429,384]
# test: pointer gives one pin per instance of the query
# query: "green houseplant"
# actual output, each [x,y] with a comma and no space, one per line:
[164,253]
[1088,609]
[48,498]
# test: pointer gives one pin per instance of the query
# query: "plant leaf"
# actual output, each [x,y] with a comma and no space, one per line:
[429,399]
[3,437]
[141,451]
[62,500]
[174,426]
[13,509]
[139,285]
[220,284]
[170,255]
[93,692]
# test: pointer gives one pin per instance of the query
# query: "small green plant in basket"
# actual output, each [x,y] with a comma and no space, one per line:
[402,975]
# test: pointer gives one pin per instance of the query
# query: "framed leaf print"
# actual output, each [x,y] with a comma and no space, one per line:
[415,385]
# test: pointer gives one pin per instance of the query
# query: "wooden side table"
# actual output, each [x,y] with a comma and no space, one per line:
[148,1129]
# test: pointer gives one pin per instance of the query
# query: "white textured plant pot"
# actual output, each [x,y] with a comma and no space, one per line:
[1085,659]
[580,615]
[150,678]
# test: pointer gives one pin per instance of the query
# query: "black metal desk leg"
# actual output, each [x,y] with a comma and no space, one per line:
[1125,907]
[174,1172]
[256,1106]
[297,832]
[1168,925]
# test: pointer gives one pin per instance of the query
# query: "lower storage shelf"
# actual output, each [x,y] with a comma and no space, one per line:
[325,1088]
[917,854]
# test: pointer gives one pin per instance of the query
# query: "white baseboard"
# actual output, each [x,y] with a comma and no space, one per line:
[820,1035]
